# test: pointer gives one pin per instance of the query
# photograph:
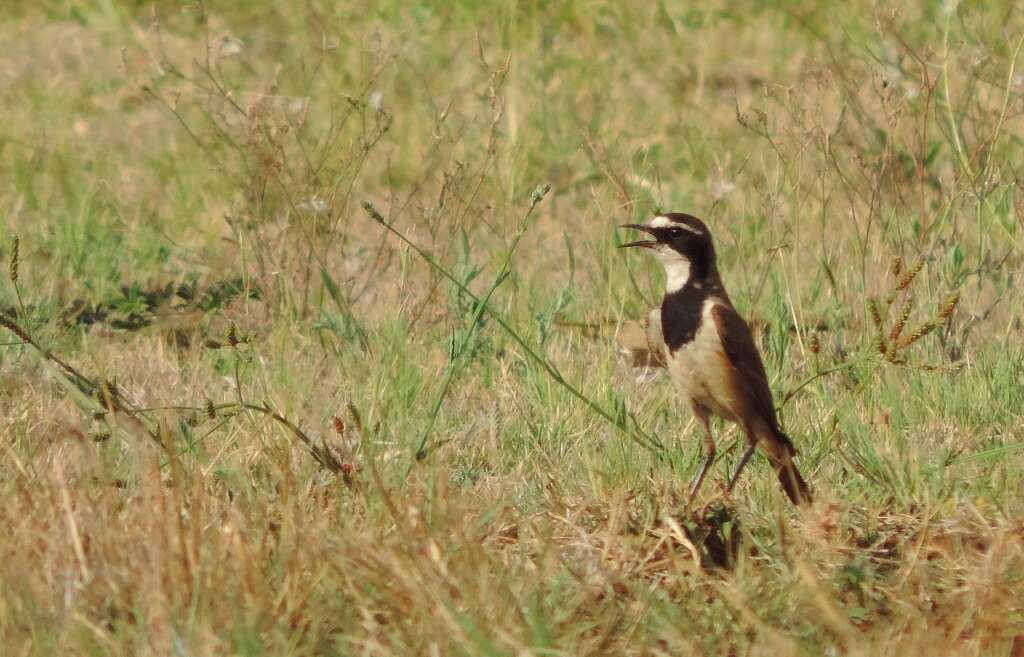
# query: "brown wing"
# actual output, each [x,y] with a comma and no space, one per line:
[739,346]
[750,377]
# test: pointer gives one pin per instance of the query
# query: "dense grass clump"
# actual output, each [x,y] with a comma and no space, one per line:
[313,327]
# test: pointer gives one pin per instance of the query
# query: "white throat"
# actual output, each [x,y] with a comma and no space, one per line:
[677,272]
[677,268]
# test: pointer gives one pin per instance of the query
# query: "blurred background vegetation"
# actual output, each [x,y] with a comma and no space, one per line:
[255,405]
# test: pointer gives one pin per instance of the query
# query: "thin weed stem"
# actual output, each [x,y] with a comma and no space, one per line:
[641,438]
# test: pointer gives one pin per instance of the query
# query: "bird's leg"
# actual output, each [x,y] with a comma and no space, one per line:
[739,466]
[709,447]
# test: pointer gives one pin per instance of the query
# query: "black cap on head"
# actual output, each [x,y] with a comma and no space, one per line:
[683,233]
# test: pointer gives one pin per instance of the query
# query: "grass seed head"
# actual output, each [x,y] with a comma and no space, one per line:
[948,306]
[107,395]
[373,212]
[908,276]
[896,268]
[354,417]
[895,359]
[13,264]
[898,327]
[876,317]
[917,334]
[14,327]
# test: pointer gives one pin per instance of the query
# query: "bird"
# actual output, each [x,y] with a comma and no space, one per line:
[710,352]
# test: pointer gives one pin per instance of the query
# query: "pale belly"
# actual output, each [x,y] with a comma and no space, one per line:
[701,370]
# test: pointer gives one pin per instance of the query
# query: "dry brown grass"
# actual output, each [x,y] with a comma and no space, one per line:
[233,465]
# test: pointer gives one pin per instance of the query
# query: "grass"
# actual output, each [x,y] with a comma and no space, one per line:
[302,359]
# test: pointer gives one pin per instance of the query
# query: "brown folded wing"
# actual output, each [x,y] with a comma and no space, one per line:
[749,373]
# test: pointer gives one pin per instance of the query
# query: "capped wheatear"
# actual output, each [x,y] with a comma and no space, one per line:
[710,351]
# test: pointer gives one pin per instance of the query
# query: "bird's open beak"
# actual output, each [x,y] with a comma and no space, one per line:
[647,244]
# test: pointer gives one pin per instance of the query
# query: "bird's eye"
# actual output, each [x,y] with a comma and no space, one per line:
[674,232]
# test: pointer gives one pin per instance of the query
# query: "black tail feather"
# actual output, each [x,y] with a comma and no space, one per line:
[793,483]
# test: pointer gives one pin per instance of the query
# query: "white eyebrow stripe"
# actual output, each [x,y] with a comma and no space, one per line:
[662,221]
